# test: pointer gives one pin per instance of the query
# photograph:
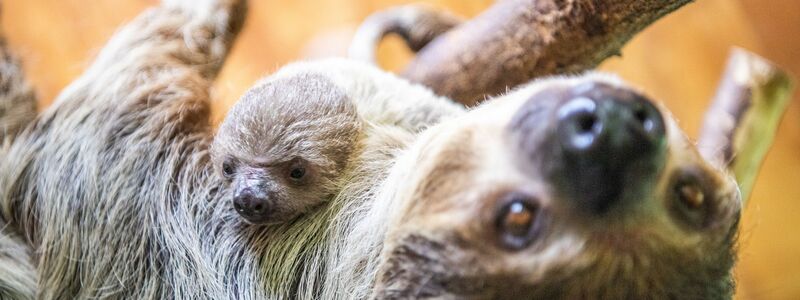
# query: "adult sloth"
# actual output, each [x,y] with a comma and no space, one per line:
[566,188]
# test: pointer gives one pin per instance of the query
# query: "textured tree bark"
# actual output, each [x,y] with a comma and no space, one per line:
[517,40]
[417,24]
[741,123]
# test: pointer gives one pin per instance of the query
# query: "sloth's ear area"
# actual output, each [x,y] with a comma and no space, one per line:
[740,125]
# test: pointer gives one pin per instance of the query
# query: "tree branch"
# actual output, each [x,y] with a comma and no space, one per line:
[517,40]
[740,125]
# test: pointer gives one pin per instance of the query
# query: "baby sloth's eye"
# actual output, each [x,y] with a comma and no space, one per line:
[228,168]
[297,173]
[517,221]
[297,170]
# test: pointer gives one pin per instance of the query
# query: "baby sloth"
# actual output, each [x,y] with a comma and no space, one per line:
[283,145]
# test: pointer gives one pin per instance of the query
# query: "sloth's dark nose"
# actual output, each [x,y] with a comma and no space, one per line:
[610,123]
[252,205]
[612,143]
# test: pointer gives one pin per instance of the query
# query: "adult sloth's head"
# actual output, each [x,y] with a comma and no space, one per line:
[566,188]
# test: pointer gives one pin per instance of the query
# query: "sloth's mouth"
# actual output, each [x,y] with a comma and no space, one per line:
[619,243]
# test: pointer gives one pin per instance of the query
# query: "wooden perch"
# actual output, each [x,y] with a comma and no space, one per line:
[517,40]
[741,123]
[417,24]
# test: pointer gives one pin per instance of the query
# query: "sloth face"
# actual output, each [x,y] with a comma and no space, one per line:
[284,145]
[567,188]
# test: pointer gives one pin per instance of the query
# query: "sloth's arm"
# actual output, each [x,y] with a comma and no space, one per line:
[185,34]
[121,138]
[155,72]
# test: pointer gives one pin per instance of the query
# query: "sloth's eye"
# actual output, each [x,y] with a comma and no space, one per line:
[297,170]
[690,200]
[517,221]
[228,168]
[691,195]
[297,173]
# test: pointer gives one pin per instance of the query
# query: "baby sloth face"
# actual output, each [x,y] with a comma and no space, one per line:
[569,188]
[283,146]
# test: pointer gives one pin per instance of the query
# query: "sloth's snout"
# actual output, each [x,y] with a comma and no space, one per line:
[605,145]
[604,123]
[252,204]
[611,143]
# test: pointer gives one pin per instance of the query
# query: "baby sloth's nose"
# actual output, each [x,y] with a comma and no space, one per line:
[251,205]
[612,143]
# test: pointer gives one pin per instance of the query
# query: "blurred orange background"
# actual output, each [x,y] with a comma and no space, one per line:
[678,60]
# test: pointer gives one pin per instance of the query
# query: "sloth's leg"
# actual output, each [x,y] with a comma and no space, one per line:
[177,34]
[96,167]
[155,72]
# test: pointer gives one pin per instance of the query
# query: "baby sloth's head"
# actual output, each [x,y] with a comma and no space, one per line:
[283,146]
[569,188]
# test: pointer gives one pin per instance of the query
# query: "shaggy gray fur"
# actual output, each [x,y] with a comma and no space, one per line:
[17,110]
